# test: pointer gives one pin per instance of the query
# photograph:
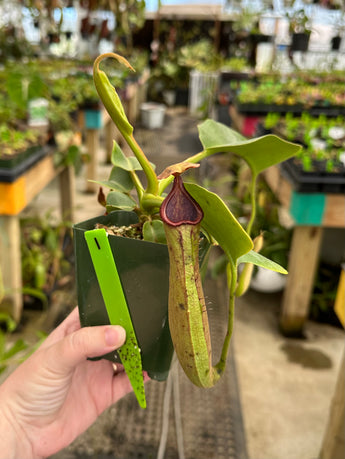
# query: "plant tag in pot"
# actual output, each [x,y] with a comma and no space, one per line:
[116,305]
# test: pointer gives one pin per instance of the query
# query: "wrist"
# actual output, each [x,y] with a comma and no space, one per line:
[13,440]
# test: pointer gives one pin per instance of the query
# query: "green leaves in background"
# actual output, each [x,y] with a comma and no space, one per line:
[17,350]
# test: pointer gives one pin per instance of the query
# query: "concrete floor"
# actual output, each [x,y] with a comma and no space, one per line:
[286,385]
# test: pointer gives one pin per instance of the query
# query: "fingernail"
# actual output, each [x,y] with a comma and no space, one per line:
[114,336]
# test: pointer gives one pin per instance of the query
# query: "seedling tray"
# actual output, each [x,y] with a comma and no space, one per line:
[313,182]
[298,109]
[12,168]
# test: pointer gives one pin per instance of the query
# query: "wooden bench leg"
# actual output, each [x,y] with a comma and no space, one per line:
[10,264]
[67,193]
[92,146]
[303,262]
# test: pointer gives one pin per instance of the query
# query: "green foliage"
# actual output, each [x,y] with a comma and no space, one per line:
[14,141]
[323,139]
[324,294]
[307,90]
[44,255]
[13,352]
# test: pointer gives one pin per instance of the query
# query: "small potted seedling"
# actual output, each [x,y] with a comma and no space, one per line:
[179,225]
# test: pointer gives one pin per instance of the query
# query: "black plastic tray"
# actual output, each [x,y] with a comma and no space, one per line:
[264,109]
[313,182]
[10,171]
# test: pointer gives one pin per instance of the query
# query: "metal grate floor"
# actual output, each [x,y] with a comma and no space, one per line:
[199,423]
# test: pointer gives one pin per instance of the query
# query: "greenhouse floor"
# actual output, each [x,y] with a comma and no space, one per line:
[275,397]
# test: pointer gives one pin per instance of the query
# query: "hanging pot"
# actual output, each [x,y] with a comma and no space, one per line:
[300,42]
[144,272]
[335,43]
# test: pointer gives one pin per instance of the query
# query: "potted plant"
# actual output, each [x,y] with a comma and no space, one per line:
[300,30]
[319,166]
[339,31]
[179,219]
[20,148]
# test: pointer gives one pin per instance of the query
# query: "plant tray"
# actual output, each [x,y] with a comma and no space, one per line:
[264,109]
[313,182]
[12,168]
[298,109]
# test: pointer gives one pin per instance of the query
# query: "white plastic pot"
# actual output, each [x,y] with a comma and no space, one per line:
[152,115]
[268,281]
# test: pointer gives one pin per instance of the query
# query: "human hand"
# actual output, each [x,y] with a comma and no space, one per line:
[57,393]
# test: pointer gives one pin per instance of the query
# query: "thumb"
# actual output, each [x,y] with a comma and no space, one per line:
[87,342]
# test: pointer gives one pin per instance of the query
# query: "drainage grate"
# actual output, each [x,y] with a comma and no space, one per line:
[210,420]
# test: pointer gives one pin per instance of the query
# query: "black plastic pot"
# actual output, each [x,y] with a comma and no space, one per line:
[300,42]
[335,43]
[144,272]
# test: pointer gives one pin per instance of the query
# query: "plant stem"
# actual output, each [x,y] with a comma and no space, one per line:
[137,184]
[253,204]
[152,181]
[225,349]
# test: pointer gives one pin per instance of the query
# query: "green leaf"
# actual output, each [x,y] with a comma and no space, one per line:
[119,180]
[2,344]
[260,153]
[11,324]
[220,223]
[18,346]
[153,231]
[109,96]
[259,260]
[37,87]
[36,293]
[14,89]
[119,201]
[119,159]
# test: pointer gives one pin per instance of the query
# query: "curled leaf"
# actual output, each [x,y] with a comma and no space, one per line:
[177,168]
[108,94]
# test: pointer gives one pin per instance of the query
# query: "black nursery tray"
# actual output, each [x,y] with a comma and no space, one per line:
[313,182]
[298,109]
[12,168]
[264,109]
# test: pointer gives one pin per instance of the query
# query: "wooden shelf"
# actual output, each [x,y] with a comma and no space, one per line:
[311,213]
[14,197]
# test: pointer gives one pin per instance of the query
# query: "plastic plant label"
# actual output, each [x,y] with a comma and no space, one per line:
[116,305]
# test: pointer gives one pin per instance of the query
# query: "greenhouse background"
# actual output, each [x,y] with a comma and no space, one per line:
[254,91]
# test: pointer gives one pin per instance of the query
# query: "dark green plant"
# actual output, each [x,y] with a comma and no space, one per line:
[323,138]
[14,141]
[44,259]
[299,22]
[14,352]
